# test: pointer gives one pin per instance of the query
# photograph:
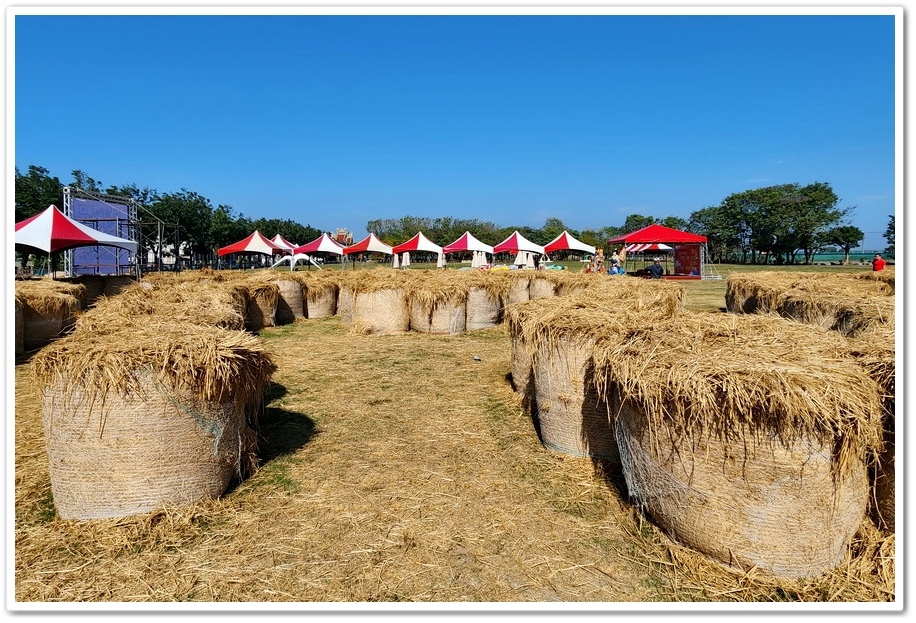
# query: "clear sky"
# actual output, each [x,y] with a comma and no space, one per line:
[335,120]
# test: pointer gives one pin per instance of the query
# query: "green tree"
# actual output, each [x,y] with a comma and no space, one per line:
[35,191]
[846,237]
[190,212]
[635,222]
[890,236]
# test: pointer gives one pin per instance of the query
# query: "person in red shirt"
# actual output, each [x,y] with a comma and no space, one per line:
[878,263]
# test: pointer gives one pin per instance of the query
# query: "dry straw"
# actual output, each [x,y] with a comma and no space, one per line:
[875,350]
[49,309]
[745,437]
[552,342]
[437,302]
[158,413]
[321,288]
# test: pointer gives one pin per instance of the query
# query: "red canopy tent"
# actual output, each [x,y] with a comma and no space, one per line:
[283,243]
[689,249]
[418,243]
[255,243]
[52,230]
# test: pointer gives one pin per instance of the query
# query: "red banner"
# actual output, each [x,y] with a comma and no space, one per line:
[687,259]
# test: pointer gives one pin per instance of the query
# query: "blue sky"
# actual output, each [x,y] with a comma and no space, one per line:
[335,120]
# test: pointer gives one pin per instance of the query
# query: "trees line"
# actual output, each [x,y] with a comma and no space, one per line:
[784,224]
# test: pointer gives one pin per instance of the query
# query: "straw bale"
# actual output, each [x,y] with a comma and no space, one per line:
[94,288]
[263,298]
[541,286]
[884,278]
[381,312]
[572,419]
[720,410]
[875,350]
[567,283]
[159,413]
[483,309]
[779,508]
[445,318]
[290,304]
[518,291]
[345,305]
[837,312]
[49,309]
[437,302]
[320,291]
[220,304]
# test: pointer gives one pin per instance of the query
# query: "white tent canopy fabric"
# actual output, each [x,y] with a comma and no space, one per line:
[52,230]
[322,244]
[283,243]
[256,242]
[467,242]
[418,243]
[647,247]
[369,244]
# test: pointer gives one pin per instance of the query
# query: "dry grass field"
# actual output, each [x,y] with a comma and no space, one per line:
[396,468]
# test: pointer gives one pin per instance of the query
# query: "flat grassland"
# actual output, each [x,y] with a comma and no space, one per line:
[394,469]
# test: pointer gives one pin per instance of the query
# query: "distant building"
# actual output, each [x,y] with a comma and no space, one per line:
[344,237]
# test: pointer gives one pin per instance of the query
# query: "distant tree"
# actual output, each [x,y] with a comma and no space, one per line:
[191,213]
[676,222]
[84,182]
[35,191]
[890,235]
[552,228]
[846,237]
[636,222]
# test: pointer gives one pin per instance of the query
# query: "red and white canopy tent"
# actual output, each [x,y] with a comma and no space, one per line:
[517,243]
[254,243]
[648,247]
[418,243]
[369,244]
[467,243]
[322,244]
[51,231]
[282,242]
[689,249]
[565,242]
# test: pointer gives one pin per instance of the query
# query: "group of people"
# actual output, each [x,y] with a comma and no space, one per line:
[655,270]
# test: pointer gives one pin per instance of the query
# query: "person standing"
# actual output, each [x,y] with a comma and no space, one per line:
[878,263]
[656,270]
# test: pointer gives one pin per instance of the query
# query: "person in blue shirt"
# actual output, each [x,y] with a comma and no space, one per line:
[656,270]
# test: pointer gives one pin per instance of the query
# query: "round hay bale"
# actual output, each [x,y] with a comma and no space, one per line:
[263,299]
[883,509]
[572,418]
[782,509]
[520,364]
[381,312]
[47,321]
[290,304]
[518,291]
[746,437]
[541,287]
[321,303]
[156,413]
[482,309]
[131,454]
[445,318]
[345,304]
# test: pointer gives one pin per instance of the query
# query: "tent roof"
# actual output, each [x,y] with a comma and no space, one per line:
[515,243]
[658,233]
[282,242]
[467,242]
[52,230]
[370,243]
[418,243]
[645,247]
[565,242]
[254,243]
[322,244]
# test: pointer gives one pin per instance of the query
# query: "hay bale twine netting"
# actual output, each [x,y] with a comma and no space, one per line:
[321,288]
[875,350]
[49,309]
[380,304]
[157,415]
[290,303]
[746,437]
[263,299]
[552,364]
[486,291]
[437,302]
